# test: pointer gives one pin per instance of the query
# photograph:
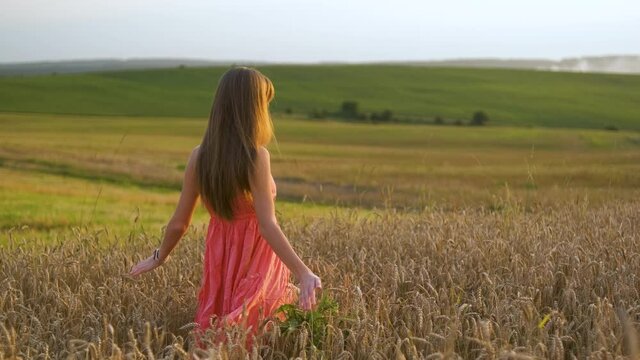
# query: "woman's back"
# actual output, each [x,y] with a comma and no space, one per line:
[242,207]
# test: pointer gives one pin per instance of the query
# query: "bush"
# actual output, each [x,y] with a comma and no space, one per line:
[349,109]
[438,120]
[479,118]
[318,114]
[386,115]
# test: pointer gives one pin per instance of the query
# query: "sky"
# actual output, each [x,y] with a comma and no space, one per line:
[309,31]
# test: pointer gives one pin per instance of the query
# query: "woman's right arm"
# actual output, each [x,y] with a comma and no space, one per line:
[260,182]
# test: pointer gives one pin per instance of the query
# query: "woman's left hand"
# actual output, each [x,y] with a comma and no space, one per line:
[145,265]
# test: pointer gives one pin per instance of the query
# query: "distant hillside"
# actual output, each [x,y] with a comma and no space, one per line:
[83,66]
[617,64]
[509,97]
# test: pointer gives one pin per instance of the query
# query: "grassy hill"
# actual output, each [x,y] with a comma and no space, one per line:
[510,97]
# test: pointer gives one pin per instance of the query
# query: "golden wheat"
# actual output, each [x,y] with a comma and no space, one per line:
[518,283]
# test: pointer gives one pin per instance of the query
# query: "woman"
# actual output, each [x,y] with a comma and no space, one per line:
[247,259]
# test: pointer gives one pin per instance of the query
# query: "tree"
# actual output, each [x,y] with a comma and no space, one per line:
[479,118]
[349,109]
[386,115]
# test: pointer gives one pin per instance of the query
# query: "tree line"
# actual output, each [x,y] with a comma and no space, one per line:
[349,110]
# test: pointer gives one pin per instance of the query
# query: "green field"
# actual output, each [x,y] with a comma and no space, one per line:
[122,138]
[510,97]
[61,171]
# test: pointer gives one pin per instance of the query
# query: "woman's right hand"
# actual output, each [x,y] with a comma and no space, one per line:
[145,265]
[308,283]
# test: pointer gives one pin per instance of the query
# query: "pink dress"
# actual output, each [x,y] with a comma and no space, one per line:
[240,270]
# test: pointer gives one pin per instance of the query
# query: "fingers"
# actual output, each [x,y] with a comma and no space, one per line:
[137,269]
[134,271]
[308,294]
[311,292]
[143,266]
[312,299]
[304,299]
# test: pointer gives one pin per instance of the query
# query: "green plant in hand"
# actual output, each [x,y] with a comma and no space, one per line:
[314,320]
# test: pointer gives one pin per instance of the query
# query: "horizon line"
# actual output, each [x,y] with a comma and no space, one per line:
[319,62]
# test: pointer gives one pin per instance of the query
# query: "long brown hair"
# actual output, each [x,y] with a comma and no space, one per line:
[239,123]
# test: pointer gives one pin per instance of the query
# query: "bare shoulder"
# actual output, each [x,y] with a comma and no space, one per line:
[262,156]
[194,153]
[193,158]
[195,150]
[262,151]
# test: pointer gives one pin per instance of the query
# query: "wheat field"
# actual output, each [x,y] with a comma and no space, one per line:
[520,283]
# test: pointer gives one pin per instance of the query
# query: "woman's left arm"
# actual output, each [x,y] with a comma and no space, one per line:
[179,222]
